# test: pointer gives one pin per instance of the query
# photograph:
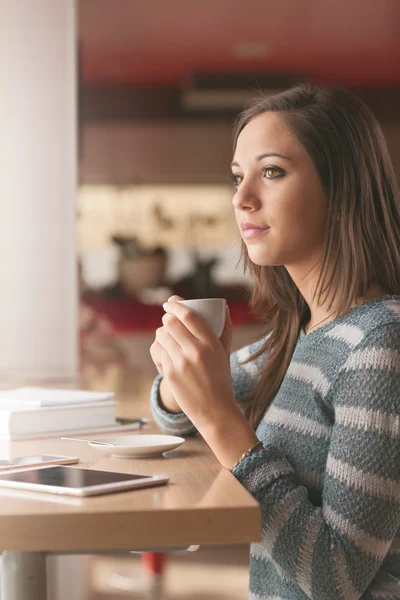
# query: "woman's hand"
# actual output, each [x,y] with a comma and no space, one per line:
[156,350]
[195,364]
[196,374]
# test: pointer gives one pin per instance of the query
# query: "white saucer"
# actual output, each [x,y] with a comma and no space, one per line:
[135,446]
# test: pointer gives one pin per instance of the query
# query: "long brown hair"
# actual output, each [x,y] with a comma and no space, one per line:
[362,240]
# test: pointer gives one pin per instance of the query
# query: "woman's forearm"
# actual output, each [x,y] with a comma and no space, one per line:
[229,437]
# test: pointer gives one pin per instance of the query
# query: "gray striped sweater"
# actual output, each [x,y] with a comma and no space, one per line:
[328,478]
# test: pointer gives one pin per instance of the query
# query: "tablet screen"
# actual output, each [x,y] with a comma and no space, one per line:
[70,479]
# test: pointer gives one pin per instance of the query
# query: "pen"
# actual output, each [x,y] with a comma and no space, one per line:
[141,421]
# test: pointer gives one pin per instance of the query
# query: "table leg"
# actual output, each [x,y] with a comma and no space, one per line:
[23,576]
[64,577]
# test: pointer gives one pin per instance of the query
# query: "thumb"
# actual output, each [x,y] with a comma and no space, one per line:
[175,298]
[226,337]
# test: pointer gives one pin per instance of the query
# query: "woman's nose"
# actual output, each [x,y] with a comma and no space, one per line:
[246,198]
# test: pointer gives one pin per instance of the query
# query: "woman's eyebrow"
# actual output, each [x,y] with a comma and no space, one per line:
[266,154]
[263,155]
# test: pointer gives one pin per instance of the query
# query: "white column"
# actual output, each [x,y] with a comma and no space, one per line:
[38,287]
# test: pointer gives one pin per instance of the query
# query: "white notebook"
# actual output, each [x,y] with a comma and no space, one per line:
[18,419]
[47,397]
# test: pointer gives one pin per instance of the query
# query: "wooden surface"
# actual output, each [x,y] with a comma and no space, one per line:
[202,504]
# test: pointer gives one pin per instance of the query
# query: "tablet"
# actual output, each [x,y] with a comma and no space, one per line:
[75,481]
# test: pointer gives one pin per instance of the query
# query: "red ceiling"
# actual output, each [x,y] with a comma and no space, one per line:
[164,41]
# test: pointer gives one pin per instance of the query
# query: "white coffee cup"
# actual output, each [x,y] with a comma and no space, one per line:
[212,310]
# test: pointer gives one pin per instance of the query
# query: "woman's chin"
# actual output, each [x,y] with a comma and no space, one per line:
[263,260]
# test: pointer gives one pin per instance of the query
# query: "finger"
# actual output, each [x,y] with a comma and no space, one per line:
[155,353]
[167,364]
[175,298]
[169,344]
[193,322]
[179,332]
[226,337]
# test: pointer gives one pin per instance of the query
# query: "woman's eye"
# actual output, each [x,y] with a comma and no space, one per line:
[273,172]
[237,179]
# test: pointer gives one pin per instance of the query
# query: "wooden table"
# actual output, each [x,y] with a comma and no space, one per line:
[202,504]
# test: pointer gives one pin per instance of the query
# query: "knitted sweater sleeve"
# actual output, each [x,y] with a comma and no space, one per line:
[334,551]
[244,377]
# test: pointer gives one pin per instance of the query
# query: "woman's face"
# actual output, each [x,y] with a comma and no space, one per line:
[280,205]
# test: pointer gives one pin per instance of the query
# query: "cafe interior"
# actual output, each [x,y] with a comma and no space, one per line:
[117,142]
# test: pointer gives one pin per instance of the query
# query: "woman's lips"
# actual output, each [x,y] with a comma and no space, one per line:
[251,231]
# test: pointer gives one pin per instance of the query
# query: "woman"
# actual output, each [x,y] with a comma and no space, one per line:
[308,418]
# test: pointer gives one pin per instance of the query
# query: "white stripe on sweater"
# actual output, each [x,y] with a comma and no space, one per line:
[296,422]
[251,368]
[306,553]
[376,358]
[350,334]
[173,430]
[367,543]
[375,485]
[393,306]
[309,374]
[368,420]
[181,420]
[243,354]
[311,479]
[266,472]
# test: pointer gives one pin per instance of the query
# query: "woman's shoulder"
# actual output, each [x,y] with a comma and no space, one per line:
[368,337]
[372,327]
[369,375]
[377,318]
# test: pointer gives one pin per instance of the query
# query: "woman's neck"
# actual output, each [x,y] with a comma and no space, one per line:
[322,314]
